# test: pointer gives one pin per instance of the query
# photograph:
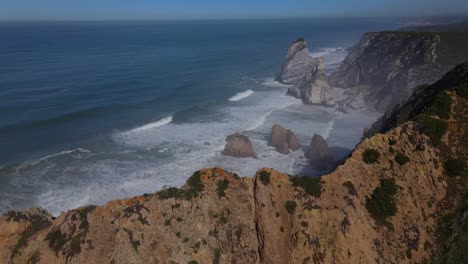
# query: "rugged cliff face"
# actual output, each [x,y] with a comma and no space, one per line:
[306,74]
[396,199]
[386,66]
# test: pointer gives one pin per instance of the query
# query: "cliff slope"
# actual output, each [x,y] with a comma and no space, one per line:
[396,199]
[385,67]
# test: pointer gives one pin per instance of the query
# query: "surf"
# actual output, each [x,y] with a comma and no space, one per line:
[241,95]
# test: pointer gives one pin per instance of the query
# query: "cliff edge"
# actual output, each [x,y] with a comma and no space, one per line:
[399,198]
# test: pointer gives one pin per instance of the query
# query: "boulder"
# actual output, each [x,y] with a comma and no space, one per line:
[319,153]
[238,145]
[283,139]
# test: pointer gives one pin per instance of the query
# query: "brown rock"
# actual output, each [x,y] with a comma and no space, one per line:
[238,146]
[283,139]
[319,153]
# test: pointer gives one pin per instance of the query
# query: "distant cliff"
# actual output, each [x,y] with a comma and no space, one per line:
[385,67]
[401,197]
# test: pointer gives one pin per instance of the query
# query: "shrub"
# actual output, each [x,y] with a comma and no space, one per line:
[433,128]
[370,156]
[381,203]
[462,90]
[290,206]
[392,142]
[194,187]
[222,186]
[311,185]
[420,147]
[265,177]
[454,167]
[404,114]
[401,158]
[441,106]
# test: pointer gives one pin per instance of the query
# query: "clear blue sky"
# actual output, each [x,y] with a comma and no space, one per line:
[214,9]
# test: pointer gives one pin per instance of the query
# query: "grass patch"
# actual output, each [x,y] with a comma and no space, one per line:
[371,156]
[222,186]
[433,128]
[381,204]
[311,185]
[265,177]
[455,167]
[290,206]
[441,106]
[401,158]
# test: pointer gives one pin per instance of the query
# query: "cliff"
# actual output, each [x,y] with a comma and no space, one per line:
[396,199]
[385,67]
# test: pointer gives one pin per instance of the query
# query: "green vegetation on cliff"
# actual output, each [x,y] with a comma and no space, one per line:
[381,204]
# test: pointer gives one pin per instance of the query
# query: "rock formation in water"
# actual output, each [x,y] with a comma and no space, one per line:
[319,153]
[399,198]
[283,139]
[385,67]
[306,74]
[238,145]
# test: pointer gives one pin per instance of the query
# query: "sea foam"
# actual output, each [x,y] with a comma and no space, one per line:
[241,95]
[161,122]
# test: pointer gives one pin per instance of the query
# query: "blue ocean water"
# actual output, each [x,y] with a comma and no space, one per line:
[94,111]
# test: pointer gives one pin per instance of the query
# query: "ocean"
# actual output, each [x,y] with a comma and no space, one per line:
[95,111]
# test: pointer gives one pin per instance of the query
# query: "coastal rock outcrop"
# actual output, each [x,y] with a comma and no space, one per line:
[283,139]
[386,67]
[238,145]
[298,64]
[306,74]
[319,153]
[398,198]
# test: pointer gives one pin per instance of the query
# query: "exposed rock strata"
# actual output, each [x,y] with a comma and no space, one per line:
[306,74]
[283,139]
[238,145]
[218,217]
[387,66]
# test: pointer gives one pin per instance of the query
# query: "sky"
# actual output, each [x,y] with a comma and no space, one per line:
[222,9]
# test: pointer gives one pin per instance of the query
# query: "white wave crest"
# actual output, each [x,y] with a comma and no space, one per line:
[241,95]
[328,129]
[324,51]
[164,121]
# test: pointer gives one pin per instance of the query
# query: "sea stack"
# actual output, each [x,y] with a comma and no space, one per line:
[319,153]
[306,74]
[283,139]
[239,146]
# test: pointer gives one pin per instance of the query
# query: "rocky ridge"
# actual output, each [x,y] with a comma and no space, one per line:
[385,67]
[394,200]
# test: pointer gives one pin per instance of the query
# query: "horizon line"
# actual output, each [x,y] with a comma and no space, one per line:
[465,16]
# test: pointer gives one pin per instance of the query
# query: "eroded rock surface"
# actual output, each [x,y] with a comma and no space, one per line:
[238,145]
[306,74]
[399,206]
[283,139]
[386,67]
